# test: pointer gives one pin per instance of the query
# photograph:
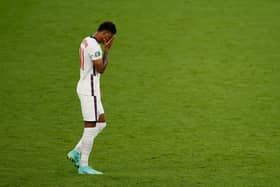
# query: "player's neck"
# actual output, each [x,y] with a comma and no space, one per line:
[96,37]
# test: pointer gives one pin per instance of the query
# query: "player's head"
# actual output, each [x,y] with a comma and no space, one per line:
[107,30]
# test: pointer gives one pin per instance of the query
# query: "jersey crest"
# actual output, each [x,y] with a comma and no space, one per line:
[97,54]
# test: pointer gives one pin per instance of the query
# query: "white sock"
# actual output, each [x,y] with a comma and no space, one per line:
[87,144]
[100,126]
[78,147]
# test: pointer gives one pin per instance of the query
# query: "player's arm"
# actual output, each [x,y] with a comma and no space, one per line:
[101,64]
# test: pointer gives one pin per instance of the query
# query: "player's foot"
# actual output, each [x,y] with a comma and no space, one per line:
[74,157]
[88,170]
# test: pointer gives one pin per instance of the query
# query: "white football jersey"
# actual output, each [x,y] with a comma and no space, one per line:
[89,83]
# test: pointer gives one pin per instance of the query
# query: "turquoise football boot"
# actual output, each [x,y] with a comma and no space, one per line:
[74,157]
[88,170]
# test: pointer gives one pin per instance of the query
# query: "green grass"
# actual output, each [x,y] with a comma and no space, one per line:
[192,94]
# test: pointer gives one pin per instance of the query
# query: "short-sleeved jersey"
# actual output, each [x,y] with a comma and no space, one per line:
[89,83]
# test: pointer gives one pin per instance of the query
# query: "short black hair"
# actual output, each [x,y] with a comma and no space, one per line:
[107,26]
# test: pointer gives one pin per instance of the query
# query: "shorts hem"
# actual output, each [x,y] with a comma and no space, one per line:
[90,121]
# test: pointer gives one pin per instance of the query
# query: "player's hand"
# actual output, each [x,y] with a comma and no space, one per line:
[108,44]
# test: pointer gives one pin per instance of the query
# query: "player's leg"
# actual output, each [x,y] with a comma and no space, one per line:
[101,122]
[94,128]
[82,150]
[90,132]
[79,145]
[90,116]
[98,126]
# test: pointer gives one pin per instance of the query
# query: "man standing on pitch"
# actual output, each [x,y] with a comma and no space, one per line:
[93,62]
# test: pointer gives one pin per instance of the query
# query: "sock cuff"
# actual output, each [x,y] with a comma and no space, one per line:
[91,131]
[100,123]
[100,126]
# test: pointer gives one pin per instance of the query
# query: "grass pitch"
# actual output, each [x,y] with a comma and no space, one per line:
[191,93]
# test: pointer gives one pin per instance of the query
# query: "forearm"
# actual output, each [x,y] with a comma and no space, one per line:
[105,59]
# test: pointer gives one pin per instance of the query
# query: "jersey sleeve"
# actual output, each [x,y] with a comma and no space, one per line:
[95,52]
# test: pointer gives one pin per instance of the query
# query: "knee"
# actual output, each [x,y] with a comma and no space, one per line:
[101,118]
[101,124]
